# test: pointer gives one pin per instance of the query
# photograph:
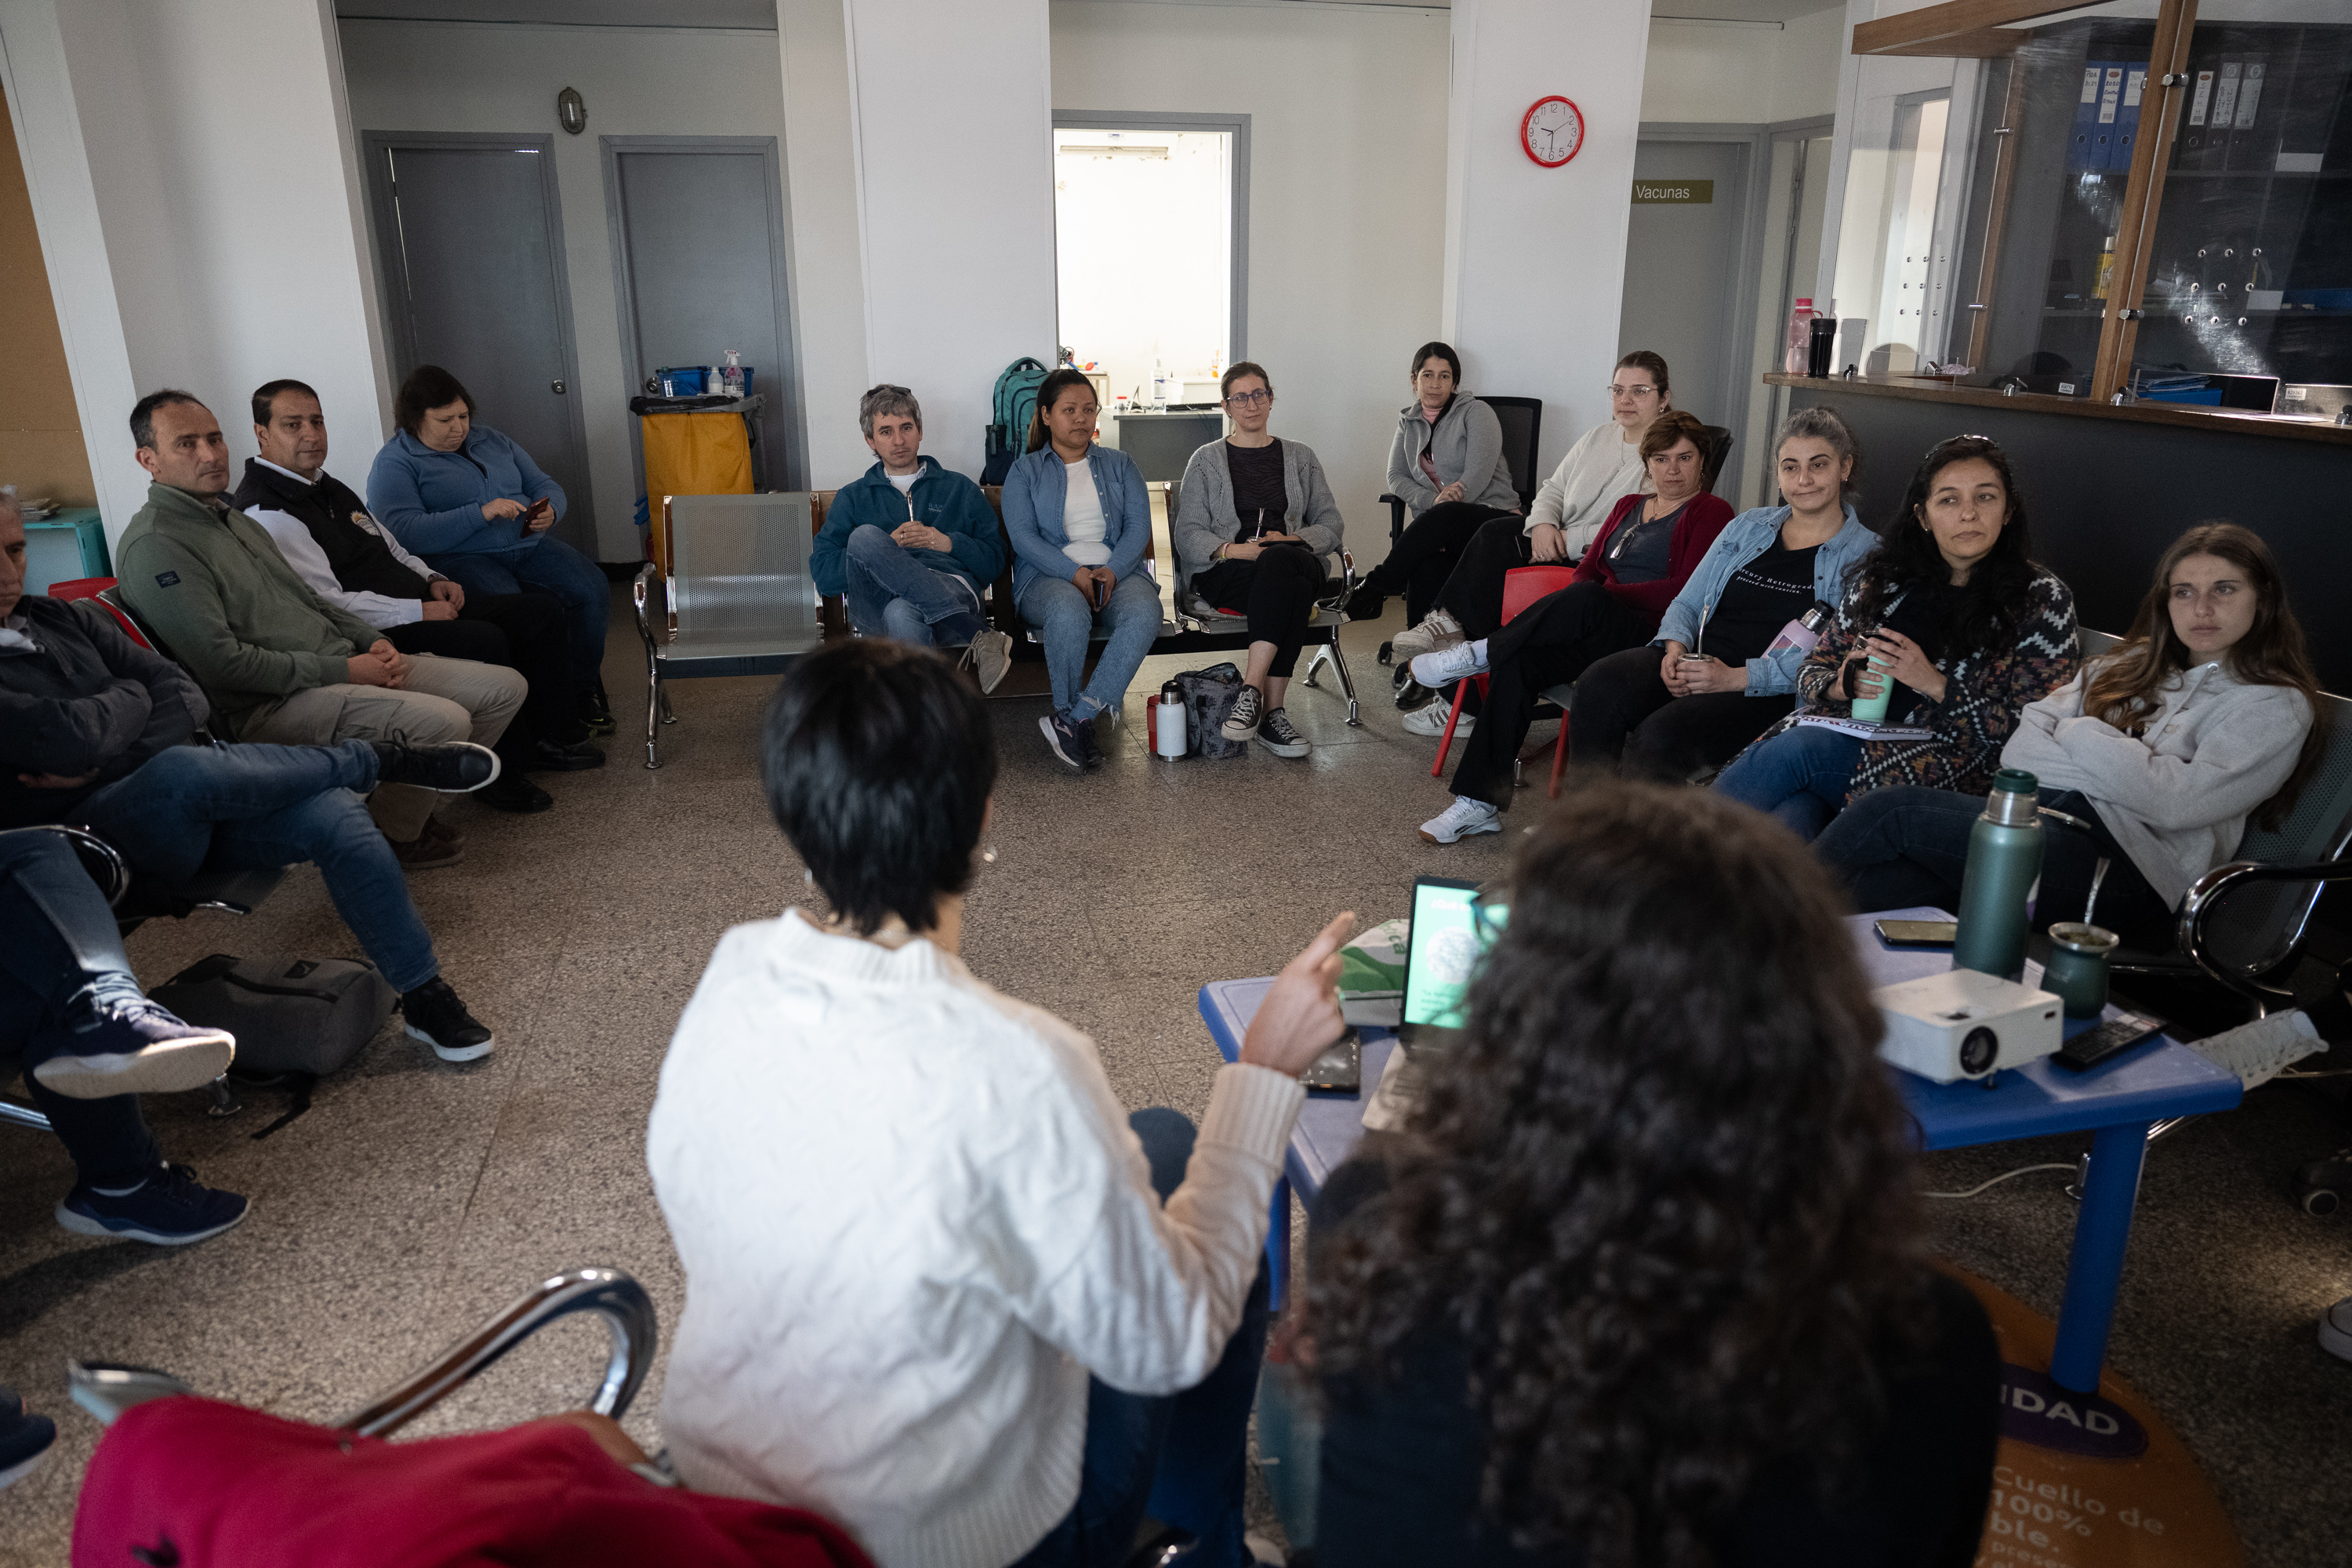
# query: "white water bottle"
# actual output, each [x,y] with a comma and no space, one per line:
[1168,723]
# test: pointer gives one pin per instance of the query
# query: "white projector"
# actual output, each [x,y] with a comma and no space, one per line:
[1963,1025]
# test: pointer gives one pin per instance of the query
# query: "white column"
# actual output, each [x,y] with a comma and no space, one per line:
[1534,258]
[952,107]
[194,180]
[825,264]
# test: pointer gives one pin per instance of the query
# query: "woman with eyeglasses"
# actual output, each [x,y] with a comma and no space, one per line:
[1950,609]
[1604,466]
[1447,464]
[1254,518]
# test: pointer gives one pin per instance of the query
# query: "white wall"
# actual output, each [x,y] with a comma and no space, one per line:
[1347,110]
[823,267]
[1743,74]
[638,81]
[953,117]
[1534,258]
[196,233]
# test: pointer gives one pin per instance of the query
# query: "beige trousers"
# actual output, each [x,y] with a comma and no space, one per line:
[444,700]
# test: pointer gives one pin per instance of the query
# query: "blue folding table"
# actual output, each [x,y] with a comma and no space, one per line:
[2115,1102]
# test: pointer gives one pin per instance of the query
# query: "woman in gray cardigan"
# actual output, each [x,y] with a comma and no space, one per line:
[1447,464]
[1254,518]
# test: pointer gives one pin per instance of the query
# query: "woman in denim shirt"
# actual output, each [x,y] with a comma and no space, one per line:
[1080,523]
[1707,686]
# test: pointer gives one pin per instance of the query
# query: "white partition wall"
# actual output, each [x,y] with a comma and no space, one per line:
[1535,257]
[192,178]
[952,116]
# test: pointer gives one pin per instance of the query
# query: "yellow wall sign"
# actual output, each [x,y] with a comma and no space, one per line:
[1674,193]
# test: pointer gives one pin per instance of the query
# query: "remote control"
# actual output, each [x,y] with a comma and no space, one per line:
[2097,1044]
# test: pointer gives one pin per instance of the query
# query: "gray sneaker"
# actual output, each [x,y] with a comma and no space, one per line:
[1438,630]
[1242,722]
[1277,734]
[991,658]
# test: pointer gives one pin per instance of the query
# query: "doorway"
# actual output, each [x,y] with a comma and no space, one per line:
[1150,239]
[469,248]
[1688,272]
[697,228]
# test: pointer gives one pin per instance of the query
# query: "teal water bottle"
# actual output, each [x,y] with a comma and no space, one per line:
[1872,709]
[2004,859]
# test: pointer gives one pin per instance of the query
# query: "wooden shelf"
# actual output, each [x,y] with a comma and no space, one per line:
[2226,420]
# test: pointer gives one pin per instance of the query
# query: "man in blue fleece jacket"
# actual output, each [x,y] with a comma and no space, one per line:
[912,544]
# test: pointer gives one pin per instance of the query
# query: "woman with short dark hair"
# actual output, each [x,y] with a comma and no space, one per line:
[1254,520]
[1643,1278]
[938,1287]
[1951,611]
[474,506]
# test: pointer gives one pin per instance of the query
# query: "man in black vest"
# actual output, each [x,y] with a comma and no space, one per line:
[324,530]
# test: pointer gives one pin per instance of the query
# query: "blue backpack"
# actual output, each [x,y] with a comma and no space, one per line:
[1014,404]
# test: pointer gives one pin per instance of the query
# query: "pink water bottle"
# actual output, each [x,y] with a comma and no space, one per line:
[1797,362]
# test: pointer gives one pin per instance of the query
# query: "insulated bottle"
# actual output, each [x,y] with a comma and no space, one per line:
[1872,709]
[2004,860]
[1168,723]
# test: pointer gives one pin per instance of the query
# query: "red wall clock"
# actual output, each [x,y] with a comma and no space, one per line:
[1553,131]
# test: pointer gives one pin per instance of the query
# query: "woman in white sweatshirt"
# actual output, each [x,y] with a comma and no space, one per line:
[2205,716]
[1602,469]
[938,1288]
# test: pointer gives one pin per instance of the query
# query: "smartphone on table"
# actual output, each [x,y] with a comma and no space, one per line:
[1917,933]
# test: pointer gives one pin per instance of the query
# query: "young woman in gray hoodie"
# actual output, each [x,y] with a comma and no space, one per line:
[1447,464]
[2207,715]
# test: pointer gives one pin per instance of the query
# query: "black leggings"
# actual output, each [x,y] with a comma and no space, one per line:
[1474,595]
[1425,557]
[1624,717]
[1551,641]
[1277,591]
[525,632]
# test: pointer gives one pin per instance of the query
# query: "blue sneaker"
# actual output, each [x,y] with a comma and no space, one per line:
[1066,740]
[25,1439]
[128,1045]
[169,1208]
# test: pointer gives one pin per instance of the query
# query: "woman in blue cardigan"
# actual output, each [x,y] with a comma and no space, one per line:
[1080,523]
[475,506]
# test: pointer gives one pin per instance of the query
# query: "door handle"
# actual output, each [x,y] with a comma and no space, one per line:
[555,386]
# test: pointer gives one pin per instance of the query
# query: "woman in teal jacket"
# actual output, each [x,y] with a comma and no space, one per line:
[1079,522]
[477,509]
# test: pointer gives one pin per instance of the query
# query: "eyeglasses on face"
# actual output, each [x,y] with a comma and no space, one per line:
[1249,399]
[1615,391]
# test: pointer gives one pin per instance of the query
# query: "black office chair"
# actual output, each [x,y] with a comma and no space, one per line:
[1717,456]
[1522,422]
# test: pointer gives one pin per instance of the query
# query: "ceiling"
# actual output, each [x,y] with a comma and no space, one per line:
[761,14]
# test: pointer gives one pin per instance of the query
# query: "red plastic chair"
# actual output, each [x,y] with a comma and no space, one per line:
[1522,586]
[102,589]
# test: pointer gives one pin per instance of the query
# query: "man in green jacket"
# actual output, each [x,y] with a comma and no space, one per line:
[279,663]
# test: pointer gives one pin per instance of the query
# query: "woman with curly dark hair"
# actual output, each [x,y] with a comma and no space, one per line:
[1952,610]
[1643,1279]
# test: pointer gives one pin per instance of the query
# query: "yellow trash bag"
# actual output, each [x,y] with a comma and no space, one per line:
[692,455]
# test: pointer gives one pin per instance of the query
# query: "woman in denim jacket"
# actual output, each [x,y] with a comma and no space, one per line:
[1080,523]
[1712,681]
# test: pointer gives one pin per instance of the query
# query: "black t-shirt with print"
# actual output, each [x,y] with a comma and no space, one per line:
[1761,597]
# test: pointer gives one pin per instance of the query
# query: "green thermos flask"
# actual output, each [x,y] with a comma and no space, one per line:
[2004,859]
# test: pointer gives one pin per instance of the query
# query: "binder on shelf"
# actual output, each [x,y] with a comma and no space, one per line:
[2128,116]
[2225,101]
[2086,116]
[2103,126]
[2250,140]
[2193,124]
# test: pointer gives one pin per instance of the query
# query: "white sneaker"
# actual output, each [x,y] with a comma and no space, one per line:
[1438,629]
[1429,719]
[2336,1330]
[1462,818]
[1448,665]
[991,656]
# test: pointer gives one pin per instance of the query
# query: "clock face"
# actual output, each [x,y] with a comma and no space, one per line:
[1552,131]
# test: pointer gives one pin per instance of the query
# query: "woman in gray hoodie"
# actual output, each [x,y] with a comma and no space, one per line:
[2206,715]
[1447,463]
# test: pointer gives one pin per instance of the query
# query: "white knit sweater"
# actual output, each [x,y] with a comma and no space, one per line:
[1602,468]
[913,1218]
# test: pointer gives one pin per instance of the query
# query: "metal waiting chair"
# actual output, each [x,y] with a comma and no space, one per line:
[1204,628]
[1522,422]
[737,600]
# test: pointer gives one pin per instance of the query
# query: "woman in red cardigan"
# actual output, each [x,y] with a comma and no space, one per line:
[1634,567]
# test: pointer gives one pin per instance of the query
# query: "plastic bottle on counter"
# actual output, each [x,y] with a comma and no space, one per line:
[1800,337]
[734,372]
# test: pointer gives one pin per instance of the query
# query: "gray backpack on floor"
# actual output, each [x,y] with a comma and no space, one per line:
[288,1015]
[1209,697]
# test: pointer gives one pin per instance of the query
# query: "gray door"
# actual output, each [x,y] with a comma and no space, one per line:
[698,249]
[469,242]
[1682,270]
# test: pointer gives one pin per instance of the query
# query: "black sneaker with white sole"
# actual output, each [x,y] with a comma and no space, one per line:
[128,1045]
[1066,739]
[1242,723]
[1277,734]
[446,767]
[170,1209]
[435,1015]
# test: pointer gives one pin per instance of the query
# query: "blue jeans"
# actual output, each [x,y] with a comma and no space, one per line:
[1066,619]
[62,940]
[552,567]
[893,594]
[238,808]
[1800,776]
[1181,1458]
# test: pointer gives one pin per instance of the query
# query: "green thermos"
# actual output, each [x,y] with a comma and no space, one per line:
[2004,860]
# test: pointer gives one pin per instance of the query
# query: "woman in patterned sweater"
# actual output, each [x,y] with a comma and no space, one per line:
[1965,624]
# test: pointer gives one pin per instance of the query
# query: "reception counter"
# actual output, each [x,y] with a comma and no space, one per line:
[2107,488]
